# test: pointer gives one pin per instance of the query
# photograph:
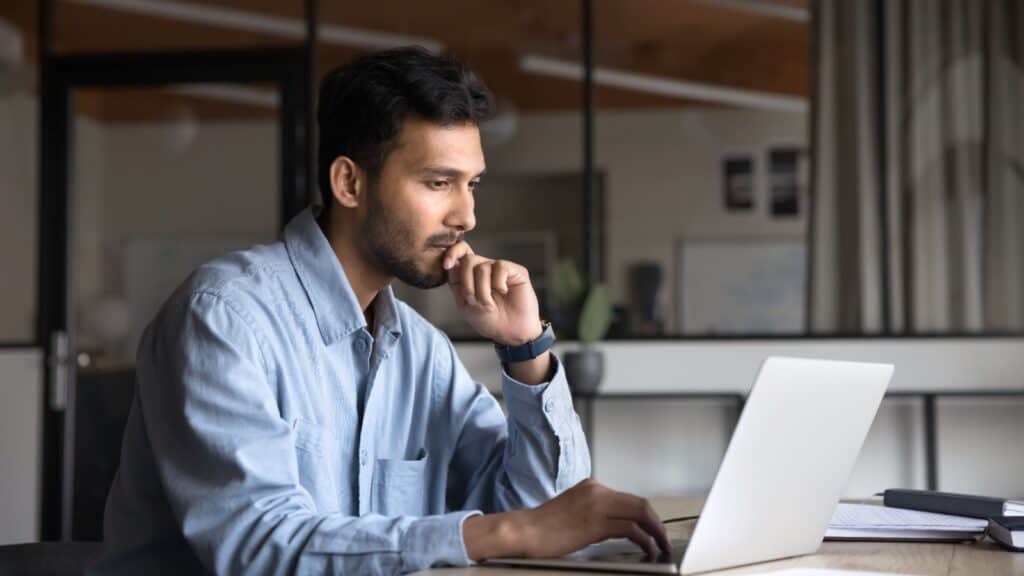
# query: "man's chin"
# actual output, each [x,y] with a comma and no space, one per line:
[420,279]
[427,283]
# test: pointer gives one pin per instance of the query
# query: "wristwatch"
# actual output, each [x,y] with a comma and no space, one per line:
[531,349]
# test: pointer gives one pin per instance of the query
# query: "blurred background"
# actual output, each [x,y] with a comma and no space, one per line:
[718,179]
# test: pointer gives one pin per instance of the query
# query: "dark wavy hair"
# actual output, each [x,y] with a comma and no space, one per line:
[364,104]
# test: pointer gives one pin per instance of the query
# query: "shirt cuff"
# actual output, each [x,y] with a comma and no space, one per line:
[549,402]
[436,540]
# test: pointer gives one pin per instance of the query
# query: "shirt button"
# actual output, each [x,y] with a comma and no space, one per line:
[362,457]
[549,406]
[361,345]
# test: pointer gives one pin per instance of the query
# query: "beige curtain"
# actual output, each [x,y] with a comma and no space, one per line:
[917,188]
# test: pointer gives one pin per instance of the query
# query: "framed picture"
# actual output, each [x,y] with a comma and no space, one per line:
[784,181]
[738,183]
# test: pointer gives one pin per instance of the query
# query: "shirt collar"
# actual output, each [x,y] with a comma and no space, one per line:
[334,303]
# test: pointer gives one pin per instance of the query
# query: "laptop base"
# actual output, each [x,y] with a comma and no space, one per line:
[617,555]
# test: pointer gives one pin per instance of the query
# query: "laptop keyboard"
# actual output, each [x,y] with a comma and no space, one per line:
[624,551]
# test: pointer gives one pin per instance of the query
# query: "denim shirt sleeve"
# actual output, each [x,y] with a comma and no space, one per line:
[227,461]
[523,461]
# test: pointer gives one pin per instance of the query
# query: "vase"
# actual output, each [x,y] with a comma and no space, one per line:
[584,369]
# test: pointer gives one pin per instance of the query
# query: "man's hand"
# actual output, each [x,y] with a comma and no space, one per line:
[494,296]
[585,514]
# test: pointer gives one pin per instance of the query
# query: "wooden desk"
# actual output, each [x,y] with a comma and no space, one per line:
[985,559]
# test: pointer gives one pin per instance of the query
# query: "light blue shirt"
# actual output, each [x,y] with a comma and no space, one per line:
[244,451]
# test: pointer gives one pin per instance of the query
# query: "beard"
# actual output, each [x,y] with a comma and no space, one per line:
[390,243]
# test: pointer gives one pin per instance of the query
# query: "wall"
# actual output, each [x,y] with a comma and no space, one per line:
[90,254]
[19,184]
[662,177]
[194,182]
[21,443]
[18,217]
[199,180]
[674,446]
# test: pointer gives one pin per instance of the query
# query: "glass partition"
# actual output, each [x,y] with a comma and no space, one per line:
[701,135]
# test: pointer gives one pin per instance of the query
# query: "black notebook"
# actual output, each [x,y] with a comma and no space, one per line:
[955,504]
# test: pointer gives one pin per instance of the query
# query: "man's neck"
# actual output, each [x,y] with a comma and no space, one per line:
[366,282]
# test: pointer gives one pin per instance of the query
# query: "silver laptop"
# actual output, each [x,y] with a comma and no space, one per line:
[784,470]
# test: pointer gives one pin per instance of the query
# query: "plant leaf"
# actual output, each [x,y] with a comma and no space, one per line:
[567,282]
[596,316]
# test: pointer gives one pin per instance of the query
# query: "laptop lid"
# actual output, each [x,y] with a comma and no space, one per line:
[790,456]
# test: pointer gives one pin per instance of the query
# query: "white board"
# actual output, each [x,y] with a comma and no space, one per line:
[741,287]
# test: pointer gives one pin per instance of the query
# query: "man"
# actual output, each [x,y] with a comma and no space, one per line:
[293,416]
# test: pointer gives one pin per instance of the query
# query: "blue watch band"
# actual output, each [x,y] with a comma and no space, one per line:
[530,350]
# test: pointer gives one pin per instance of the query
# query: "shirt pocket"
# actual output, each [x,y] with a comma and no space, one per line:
[315,451]
[399,486]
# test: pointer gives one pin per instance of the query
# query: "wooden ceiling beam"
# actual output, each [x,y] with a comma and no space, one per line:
[673,39]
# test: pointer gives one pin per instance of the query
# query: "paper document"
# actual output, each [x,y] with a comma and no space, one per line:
[828,572]
[865,521]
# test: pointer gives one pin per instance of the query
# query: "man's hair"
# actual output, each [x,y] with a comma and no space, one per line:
[364,104]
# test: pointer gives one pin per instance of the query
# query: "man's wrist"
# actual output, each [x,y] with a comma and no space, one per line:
[532,372]
[523,340]
[495,535]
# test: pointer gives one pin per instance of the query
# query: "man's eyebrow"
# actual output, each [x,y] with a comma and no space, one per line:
[447,172]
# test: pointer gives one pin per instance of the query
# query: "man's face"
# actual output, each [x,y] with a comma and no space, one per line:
[422,201]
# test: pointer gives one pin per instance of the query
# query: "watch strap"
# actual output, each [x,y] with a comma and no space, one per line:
[529,350]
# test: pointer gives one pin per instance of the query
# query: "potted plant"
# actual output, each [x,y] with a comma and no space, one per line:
[592,312]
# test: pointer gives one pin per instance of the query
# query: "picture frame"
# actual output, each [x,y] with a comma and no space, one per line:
[738,183]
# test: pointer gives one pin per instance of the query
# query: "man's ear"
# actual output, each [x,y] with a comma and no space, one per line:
[348,182]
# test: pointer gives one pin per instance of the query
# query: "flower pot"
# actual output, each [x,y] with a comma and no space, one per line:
[584,370]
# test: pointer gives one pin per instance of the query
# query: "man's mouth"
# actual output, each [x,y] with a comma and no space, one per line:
[444,245]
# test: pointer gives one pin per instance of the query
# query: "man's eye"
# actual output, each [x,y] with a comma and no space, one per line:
[473,185]
[438,184]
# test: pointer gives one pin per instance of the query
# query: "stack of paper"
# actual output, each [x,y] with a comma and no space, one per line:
[828,572]
[869,522]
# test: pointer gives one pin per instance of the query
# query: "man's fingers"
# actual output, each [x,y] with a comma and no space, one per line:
[465,277]
[652,524]
[633,508]
[471,275]
[499,277]
[482,280]
[636,535]
[456,253]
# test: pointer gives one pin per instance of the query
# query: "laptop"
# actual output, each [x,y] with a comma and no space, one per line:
[787,463]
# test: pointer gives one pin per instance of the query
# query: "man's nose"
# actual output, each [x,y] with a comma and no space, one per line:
[462,216]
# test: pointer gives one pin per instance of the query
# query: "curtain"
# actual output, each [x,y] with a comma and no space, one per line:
[917,182]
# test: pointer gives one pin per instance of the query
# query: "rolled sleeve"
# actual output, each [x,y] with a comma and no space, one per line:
[521,461]
[548,428]
[549,403]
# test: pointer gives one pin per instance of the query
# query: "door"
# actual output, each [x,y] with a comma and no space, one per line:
[152,164]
